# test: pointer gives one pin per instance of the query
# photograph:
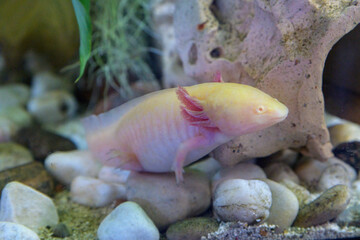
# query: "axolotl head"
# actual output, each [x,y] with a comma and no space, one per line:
[238,109]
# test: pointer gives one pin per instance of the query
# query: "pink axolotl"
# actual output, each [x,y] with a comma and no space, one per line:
[169,129]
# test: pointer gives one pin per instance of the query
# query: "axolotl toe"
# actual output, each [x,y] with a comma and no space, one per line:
[169,129]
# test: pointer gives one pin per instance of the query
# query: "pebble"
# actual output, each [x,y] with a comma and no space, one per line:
[24,205]
[285,205]
[242,200]
[164,200]
[114,175]
[61,231]
[46,81]
[333,175]
[279,171]
[345,132]
[13,155]
[18,115]
[52,107]
[192,228]
[286,156]
[42,142]
[128,221]
[12,95]
[209,166]
[240,171]
[15,231]
[65,166]
[7,129]
[349,152]
[73,130]
[326,207]
[309,170]
[302,194]
[93,192]
[32,174]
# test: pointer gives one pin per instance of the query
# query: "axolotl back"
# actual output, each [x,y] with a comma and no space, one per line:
[169,129]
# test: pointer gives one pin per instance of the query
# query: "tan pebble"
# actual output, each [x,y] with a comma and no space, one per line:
[301,193]
[326,207]
[284,206]
[280,171]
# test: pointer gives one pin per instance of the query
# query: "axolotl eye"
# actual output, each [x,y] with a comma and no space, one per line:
[260,109]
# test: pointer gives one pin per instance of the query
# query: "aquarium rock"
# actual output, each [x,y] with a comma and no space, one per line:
[12,95]
[18,115]
[128,221]
[192,228]
[310,170]
[351,215]
[326,207]
[279,47]
[163,24]
[164,200]
[94,192]
[333,175]
[15,231]
[13,155]
[46,81]
[209,166]
[72,130]
[113,174]
[302,194]
[7,129]
[284,206]
[52,107]
[349,152]
[242,200]
[240,171]
[280,171]
[24,205]
[346,132]
[42,142]
[65,166]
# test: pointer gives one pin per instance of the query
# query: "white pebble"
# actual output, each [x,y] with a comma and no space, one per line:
[114,175]
[242,200]
[46,81]
[24,205]
[14,231]
[285,205]
[65,166]
[128,221]
[73,130]
[240,171]
[93,192]
[333,175]
[54,106]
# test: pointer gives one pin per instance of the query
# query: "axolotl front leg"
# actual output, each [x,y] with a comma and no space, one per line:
[184,149]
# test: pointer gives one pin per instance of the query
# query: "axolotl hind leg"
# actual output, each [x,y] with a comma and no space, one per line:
[123,160]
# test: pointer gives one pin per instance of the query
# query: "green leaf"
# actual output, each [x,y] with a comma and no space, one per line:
[82,12]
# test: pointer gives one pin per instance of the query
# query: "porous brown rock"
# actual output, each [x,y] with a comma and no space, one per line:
[277,46]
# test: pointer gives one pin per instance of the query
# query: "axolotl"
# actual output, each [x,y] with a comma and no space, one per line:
[169,129]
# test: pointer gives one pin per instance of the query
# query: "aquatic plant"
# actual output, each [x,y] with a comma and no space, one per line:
[119,41]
